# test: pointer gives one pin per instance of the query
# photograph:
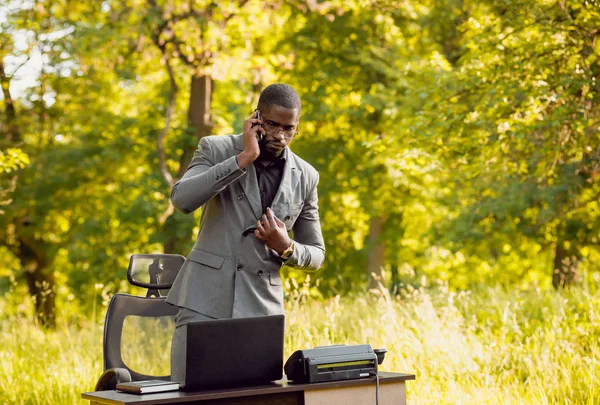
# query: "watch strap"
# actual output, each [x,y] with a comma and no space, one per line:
[287,252]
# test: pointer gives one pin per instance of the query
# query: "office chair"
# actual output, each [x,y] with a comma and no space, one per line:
[138,329]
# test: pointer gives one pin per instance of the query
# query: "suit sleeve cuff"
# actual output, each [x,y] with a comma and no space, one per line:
[238,165]
[228,171]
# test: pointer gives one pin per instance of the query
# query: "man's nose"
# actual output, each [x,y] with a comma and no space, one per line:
[279,134]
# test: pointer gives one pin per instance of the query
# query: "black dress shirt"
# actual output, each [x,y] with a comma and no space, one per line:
[269,178]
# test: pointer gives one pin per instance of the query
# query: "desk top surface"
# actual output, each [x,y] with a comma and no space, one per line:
[118,398]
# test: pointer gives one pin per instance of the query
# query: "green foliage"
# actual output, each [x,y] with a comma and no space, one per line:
[519,129]
[12,159]
[350,130]
[455,141]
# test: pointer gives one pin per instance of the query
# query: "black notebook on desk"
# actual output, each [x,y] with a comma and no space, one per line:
[234,352]
[147,386]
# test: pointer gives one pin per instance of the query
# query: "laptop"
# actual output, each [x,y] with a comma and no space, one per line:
[234,352]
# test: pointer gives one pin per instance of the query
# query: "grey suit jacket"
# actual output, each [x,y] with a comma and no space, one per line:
[229,272]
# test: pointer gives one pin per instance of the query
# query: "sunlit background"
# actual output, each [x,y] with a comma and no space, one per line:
[458,146]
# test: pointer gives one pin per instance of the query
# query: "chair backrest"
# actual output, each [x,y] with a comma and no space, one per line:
[156,272]
[138,329]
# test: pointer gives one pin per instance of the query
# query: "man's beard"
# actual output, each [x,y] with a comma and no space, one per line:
[267,154]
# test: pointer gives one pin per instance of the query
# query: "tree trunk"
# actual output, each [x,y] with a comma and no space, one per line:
[376,251]
[449,18]
[565,266]
[199,117]
[13,135]
[179,227]
[41,283]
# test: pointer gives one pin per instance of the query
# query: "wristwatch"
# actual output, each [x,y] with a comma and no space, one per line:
[288,252]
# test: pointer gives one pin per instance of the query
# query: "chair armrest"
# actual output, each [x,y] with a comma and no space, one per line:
[111,377]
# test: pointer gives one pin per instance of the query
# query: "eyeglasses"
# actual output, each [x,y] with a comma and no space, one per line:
[273,128]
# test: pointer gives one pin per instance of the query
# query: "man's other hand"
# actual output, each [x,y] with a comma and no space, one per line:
[273,232]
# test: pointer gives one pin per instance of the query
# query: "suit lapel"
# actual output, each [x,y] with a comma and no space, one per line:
[249,183]
[289,179]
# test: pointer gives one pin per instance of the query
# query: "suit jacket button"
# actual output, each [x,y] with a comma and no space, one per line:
[239,197]
[260,272]
[240,268]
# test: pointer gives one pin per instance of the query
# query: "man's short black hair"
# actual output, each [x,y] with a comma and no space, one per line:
[279,94]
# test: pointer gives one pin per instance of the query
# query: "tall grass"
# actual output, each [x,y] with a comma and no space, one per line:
[487,346]
[484,347]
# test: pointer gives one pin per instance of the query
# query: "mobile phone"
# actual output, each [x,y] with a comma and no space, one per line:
[259,135]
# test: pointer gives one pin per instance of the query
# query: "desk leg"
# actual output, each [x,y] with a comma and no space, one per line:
[389,394]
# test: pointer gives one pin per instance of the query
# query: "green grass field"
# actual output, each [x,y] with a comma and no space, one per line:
[485,347]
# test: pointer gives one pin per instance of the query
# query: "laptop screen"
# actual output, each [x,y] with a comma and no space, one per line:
[234,352]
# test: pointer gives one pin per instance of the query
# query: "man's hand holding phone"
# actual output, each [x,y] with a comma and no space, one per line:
[253,132]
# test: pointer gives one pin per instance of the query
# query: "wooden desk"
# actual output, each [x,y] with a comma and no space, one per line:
[392,390]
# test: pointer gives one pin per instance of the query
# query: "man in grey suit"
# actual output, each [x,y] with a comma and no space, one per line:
[252,195]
